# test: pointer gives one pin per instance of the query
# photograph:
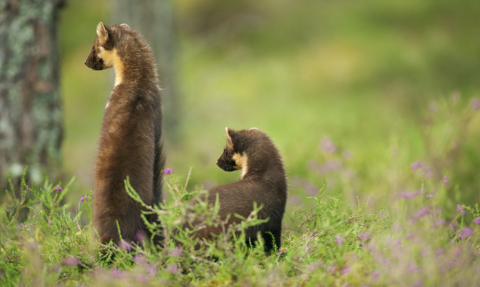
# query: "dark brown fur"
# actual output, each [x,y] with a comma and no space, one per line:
[129,143]
[263,181]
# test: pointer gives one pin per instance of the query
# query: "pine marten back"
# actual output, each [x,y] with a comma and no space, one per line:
[263,181]
[129,143]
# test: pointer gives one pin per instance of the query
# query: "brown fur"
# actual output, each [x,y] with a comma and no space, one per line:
[129,143]
[263,181]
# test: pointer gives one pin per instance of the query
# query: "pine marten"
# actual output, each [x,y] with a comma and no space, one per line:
[130,138]
[263,181]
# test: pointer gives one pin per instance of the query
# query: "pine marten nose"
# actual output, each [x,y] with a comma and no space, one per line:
[85,63]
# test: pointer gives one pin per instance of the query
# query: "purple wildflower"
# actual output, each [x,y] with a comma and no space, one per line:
[417,164]
[116,273]
[18,255]
[72,261]
[139,259]
[413,268]
[345,270]
[475,104]
[327,145]
[408,195]
[428,172]
[429,196]
[125,245]
[19,227]
[172,268]
[441,221]
[421,213]
[168,171]
[86,198]
[331,269]
[140,235]
[58,188]
[445,180]
[460,209]
[364,236]
[466,232]
[151,270]
[176,252]
[339,240]
[439,251]
[477,221]
[375,274]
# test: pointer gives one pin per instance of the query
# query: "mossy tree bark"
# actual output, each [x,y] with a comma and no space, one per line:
[154,19]
[30,106]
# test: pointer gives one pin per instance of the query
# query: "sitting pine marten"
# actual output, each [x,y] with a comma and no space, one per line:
[263,181]
[129,143]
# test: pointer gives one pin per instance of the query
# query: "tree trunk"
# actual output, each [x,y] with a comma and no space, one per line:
[30,107]
[154,20]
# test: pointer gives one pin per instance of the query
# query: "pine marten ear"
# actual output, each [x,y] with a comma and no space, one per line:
[228,134]
[102,33]
[125,25]
[253,129]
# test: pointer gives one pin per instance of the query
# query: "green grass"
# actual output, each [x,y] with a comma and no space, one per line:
[408,243]
[377,78]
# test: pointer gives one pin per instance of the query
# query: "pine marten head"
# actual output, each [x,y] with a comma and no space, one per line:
[246,150]
[104,54]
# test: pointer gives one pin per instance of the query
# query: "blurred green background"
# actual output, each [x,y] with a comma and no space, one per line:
[388,82]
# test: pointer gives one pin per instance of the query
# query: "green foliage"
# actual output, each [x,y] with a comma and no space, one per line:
[332,244]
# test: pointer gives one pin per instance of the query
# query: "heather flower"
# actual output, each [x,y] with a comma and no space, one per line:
[364,236]
[429,196]
[176,252]
[475,104]
[466,232]
[408,195]
[172,268]
[417,164]
[140,235]
[460,209]
[439,251]
[139,259]
[345,270]
[331,269]
[412,268]
[81,199]
[477,221]
[116,273]
[58,188]
[421,213]
[327,145]
[339,240]
[151,270]
[125,245]
[428,172]
[445,180]
[168,171]
[72,261]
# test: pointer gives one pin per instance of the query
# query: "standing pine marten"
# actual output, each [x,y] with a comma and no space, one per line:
[129,143]
[263,181]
